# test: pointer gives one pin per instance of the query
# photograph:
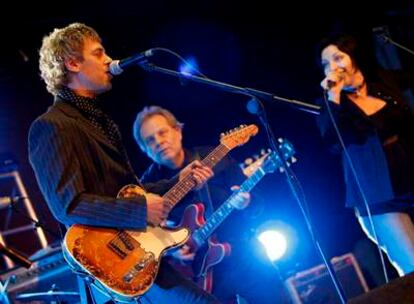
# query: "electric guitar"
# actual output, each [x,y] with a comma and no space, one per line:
[124,263]
[209,252]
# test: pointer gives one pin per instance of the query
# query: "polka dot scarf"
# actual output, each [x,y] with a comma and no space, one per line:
[93,113]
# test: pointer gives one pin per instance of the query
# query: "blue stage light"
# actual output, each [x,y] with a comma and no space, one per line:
[274,242]
[190,67]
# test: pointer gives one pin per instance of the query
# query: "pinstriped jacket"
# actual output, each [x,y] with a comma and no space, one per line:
[80,172]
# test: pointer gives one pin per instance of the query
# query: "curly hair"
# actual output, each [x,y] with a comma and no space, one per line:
[148,112]
[59,45]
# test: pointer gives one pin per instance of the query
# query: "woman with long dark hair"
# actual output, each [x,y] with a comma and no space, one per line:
[366,106]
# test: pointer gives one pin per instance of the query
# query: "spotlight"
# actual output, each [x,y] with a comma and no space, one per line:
[190,67]
[274,242]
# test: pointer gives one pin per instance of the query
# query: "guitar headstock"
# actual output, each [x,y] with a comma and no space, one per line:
[268,160]
[253,163]
[238,136]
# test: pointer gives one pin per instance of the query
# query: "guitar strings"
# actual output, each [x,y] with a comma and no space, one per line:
[179,190]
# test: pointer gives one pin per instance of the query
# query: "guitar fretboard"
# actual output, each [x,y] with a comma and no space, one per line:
[204,232]
[179,190]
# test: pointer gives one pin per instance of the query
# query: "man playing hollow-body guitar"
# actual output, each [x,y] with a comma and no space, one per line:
[159,135]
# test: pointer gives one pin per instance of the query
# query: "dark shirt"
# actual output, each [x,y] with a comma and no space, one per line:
[226,174]
[381,145]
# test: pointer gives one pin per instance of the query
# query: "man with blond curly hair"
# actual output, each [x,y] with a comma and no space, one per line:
[79,160]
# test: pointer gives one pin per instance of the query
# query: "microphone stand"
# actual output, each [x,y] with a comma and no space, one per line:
[256,107]
[389,40]
[311,108]
[36,223]
[4,298]
[257,95]
[15,256]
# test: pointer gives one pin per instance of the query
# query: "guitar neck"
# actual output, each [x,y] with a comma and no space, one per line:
[205,231]
[180,189]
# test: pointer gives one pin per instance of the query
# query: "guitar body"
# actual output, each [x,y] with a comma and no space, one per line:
[124,263]
[206,254]
[209,252]
[207,257]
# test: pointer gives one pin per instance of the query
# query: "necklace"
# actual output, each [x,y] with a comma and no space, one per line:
[358,91]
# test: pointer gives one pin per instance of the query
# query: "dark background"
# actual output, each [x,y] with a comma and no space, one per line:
[252,44]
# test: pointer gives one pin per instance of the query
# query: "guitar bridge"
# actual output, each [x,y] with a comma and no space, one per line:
[146,259]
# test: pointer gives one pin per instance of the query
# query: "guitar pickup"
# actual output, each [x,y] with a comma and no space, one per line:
[117,250]
[122,244]
[127,240]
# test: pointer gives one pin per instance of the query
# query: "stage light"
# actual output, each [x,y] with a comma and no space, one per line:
[274,242]
[190,67]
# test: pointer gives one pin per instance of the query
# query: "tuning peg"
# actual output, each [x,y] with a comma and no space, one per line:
[293,159]
[280,140]
[281,169]
[248,161]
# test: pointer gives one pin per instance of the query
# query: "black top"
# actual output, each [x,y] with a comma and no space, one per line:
[393,125]
[381,145]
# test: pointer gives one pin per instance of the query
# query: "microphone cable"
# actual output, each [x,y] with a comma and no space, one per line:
[355,175]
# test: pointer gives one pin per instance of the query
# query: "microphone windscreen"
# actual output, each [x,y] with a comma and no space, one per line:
[253,106]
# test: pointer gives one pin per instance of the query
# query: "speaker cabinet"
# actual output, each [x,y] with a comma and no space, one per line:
[49,270]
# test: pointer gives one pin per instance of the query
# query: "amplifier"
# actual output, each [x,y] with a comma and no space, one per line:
[49,269]
[315,285]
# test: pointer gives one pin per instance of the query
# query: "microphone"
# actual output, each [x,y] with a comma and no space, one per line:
[253,106]
[6,201]
[331,83]
[116,67]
